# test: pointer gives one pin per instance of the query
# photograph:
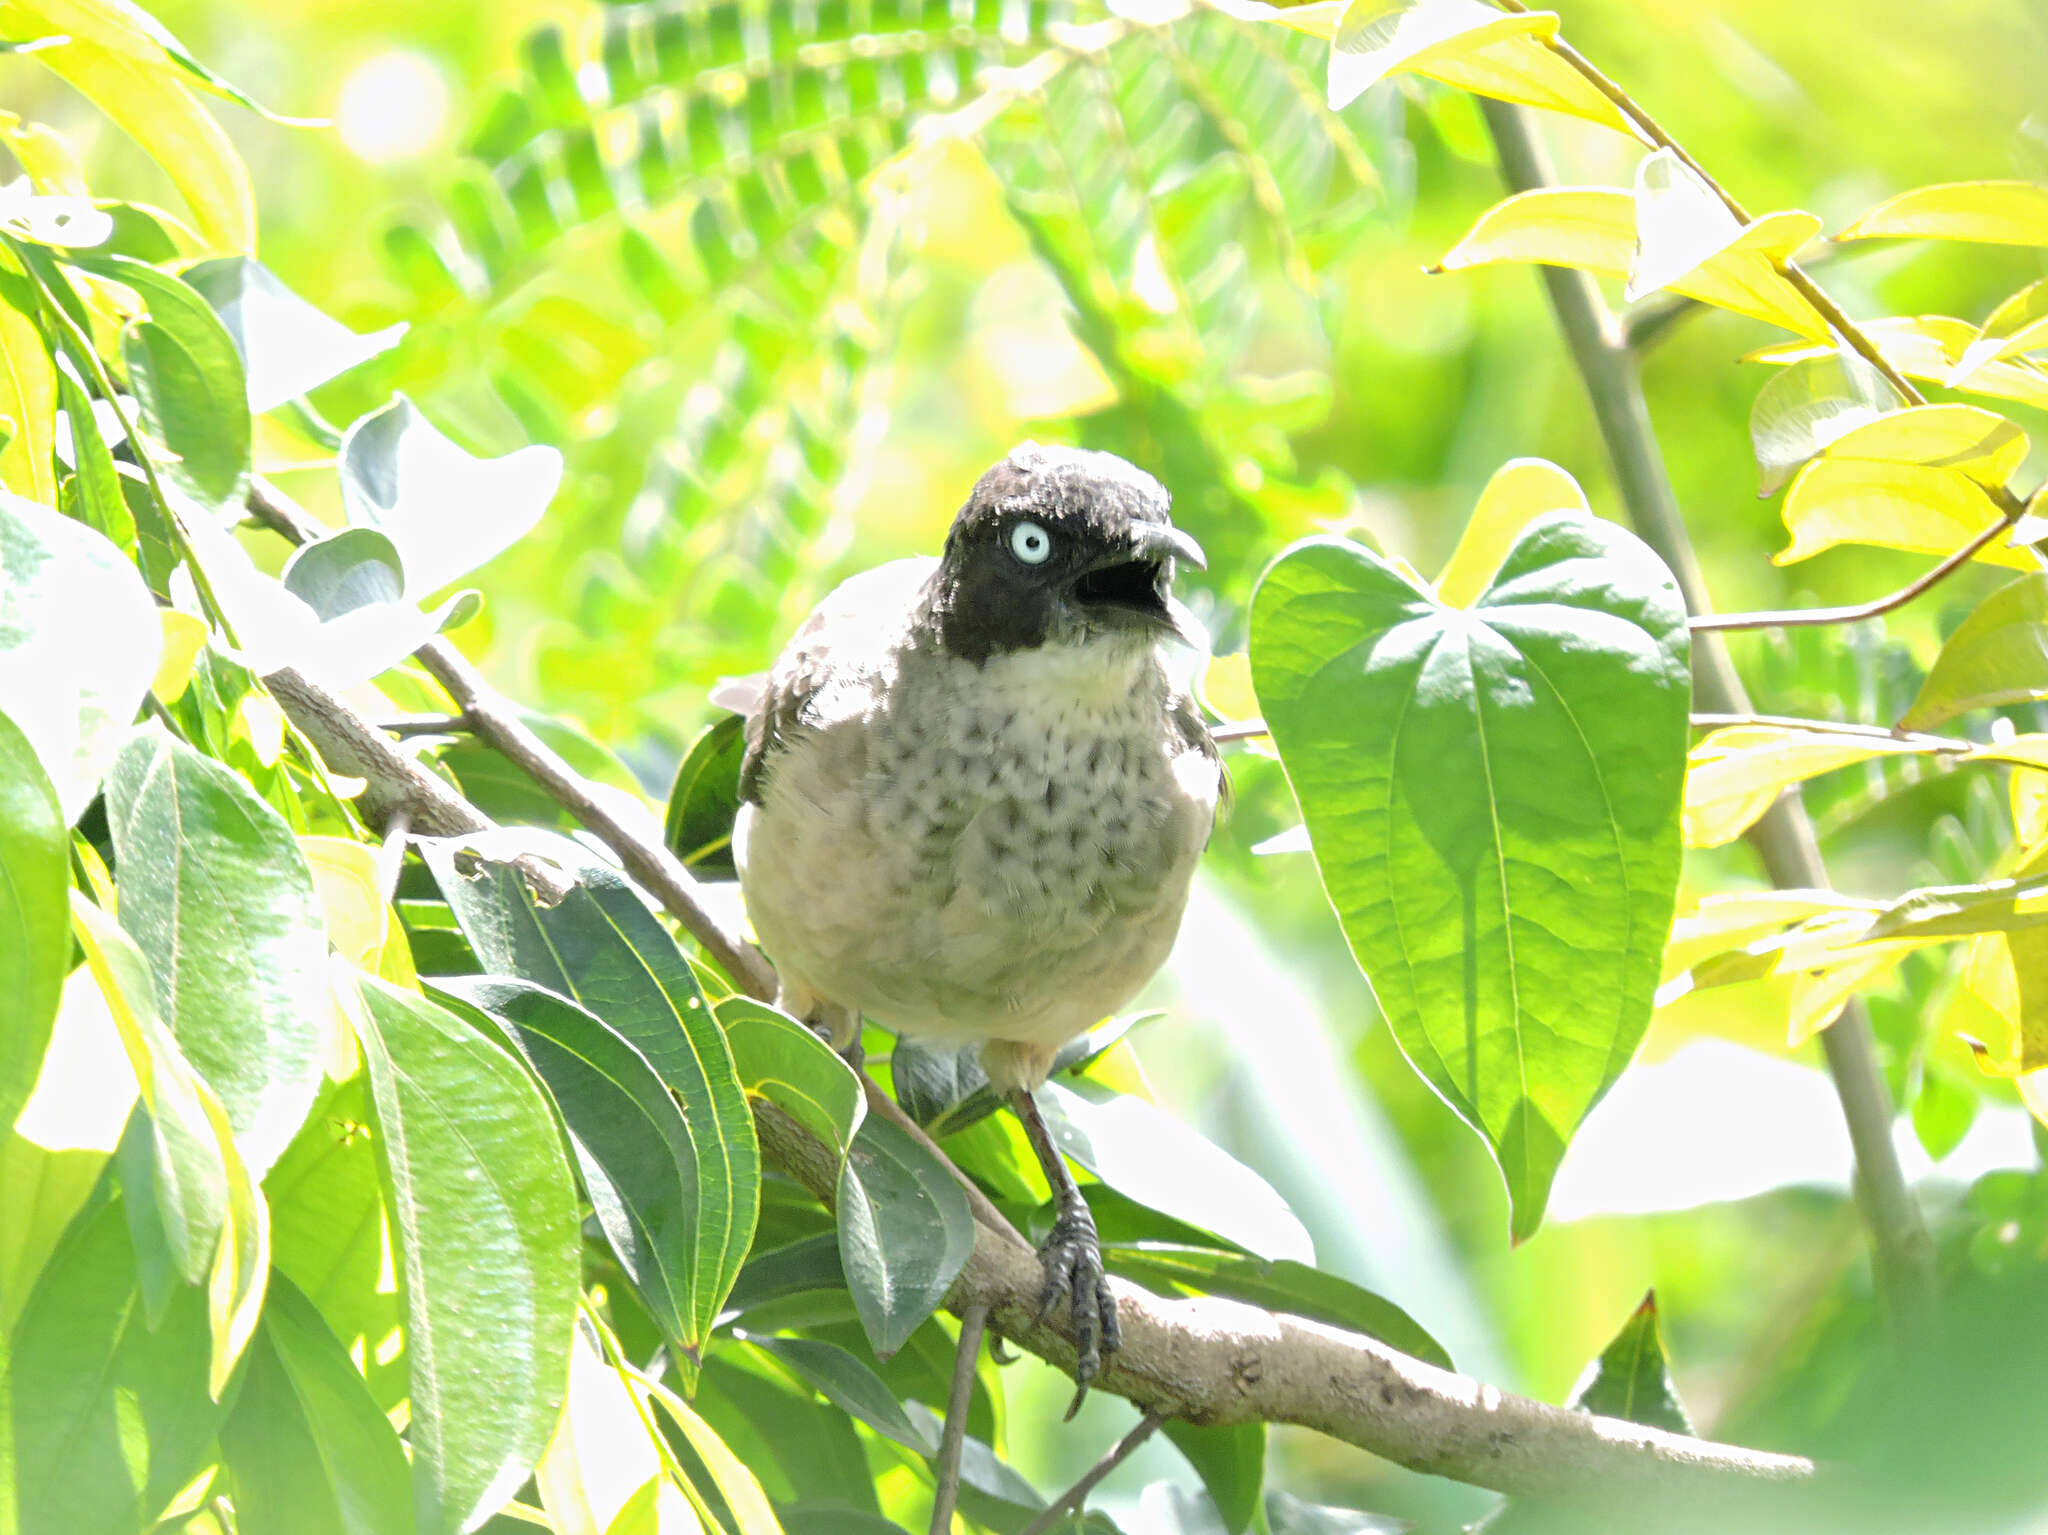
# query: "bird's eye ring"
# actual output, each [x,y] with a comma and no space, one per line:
[1030,543]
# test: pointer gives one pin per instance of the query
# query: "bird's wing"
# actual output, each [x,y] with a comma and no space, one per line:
[1187,719]
[848,635]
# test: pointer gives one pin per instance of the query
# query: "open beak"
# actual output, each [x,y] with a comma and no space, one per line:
[1134,588]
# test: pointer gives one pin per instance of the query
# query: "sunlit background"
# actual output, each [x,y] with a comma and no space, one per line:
[1718,1171]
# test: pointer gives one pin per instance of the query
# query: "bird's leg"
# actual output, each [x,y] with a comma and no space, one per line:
[838,1026]
[1072,1256]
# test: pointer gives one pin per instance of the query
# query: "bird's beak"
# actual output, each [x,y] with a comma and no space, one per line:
[1154,540]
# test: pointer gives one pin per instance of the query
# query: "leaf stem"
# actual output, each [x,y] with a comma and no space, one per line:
[1072,1499]
[1783,837]
[954,1436]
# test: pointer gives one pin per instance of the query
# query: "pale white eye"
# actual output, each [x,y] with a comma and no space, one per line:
[1030,543]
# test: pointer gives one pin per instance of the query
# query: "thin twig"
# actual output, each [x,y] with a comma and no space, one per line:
[1239,730]
[646,858]
[947,1492]
[1838,728]
[1791,618]
[1904,1253]
[1072,1499]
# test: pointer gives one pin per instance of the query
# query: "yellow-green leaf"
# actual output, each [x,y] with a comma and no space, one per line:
[1737,773]
[1915,507]
[1966,438]
[1520,491]
[1466,44]
[1720,924]
[2020,324]
[1592,228]
[28,395]
[1595,230]
[1930,346]
[1688,241]
[1998,655]
[122,69]
[184,637]
[2000,975]
[1993,212]
[241,1264]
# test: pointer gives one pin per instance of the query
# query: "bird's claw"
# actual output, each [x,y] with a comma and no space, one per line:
[1072,1259]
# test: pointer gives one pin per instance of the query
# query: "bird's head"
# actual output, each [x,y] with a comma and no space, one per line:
[1062,546]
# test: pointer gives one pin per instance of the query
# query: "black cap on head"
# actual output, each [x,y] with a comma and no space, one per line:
[1059,545]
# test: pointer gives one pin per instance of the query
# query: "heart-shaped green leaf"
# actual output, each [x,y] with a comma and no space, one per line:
[1493,798]
[287,345]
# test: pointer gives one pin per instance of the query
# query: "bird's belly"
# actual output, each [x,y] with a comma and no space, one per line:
[1014,891]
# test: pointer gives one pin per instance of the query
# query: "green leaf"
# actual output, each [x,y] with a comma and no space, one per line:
[79,640]
[1996,656]
[1630,1379]
[117,60]
[1156,1159]
[781,1060]
[1231,1461]
[308,1449]
[1943,1111]
[905,1231]
[850,1386]
[189,1179]
[35,927]
[506,792]
[1809,405]
[446,510]
[52,1160]
[1281,1285]
[328,1233]
[346,571]
[637,1155]
[109,1416]
[216,893]
[1493,797]
[603,948]
[96,484]
[485,1210]
[2015,327]
[1292,1516]
[28,395]
[188,382]
[704,800]
[1997,212]
[982,1470]
[287,345]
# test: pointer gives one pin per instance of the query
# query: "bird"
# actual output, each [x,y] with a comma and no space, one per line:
[973,797]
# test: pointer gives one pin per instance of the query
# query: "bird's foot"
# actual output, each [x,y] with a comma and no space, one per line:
[1072,1259]
[841,1032]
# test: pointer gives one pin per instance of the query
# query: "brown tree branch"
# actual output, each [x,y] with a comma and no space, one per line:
[1783,837]
[491,717]
[1075,1496]
[1216,1361]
